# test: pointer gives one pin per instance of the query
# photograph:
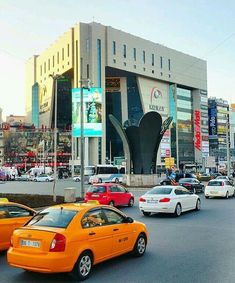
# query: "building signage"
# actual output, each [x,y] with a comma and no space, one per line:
[154,95]
[212,122]
[92,114]
[197,129]
[112,85]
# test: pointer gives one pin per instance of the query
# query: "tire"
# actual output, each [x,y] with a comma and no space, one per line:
[116,180]
[178,210]
[206,197]
[83,266]
[198,205]
[164,183]
[111,203]
[227,195]
[145,213]
[131,202]
[35,180]
[47,180]
[140,246]
[99,180]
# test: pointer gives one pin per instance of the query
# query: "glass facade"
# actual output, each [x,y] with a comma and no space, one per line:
[35,105]
[173,114]
[184,124]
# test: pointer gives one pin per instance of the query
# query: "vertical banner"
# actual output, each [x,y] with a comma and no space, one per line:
[92,118]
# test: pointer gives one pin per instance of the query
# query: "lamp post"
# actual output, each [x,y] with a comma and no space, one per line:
[55,83]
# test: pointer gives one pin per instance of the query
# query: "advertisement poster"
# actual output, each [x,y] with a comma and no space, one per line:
[92,112]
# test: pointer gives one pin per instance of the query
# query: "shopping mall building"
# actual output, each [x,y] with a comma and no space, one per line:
[136,76]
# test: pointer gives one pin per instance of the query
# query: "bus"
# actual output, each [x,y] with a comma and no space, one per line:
[107,173]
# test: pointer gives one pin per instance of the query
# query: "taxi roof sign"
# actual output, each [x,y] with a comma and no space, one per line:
[4,200]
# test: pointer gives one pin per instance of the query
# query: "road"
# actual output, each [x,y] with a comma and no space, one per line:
[197,247]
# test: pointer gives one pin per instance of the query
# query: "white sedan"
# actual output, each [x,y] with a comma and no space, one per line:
[43,178]
[168,199]
[219,188]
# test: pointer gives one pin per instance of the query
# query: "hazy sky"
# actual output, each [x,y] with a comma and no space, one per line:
[201,28]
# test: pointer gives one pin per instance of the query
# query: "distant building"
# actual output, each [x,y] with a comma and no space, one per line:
[136,76]
[12,119]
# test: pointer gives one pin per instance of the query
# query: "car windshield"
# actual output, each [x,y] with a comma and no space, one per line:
[160,191]
[56,217]
[97,189]
[215,183]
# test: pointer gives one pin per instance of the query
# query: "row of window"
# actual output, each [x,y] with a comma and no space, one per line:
[51,62]
[124,53]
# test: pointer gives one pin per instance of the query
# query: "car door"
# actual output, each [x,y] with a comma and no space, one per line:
[123,195]
[114,194]
[229,187]
[98,233]
[182,198]
[123,233]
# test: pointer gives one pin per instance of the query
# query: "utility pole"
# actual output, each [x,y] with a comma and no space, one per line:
[228,148]
[82,133]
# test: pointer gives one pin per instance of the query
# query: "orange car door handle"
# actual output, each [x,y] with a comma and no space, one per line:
[92,233]
[116,229]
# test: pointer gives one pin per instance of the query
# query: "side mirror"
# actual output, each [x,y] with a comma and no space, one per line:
[128,220]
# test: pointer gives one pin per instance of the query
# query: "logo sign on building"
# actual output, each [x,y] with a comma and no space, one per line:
[212,122]
[92,112]
[197,129]
[112,84]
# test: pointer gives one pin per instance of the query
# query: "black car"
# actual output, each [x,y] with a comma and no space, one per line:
[192,185]
[178,176]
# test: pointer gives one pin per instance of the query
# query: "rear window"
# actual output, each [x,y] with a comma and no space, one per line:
[186,180]
[59,218]
[215,183]
[160,191]
[98,189]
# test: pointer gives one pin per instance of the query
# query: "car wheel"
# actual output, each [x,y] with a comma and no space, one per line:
[83,266]
[198,205]
[131,202]
[178,210]
[35,180]
[140,246]
[47,180]
[234,193]
[99,180]
[227,195]
[116,180]
[145,213]
[164,183]
[206,197]
[111,203]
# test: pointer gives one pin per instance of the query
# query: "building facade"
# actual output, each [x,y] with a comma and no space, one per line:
[136,76]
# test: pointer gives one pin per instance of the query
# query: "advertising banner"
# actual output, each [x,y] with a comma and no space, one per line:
[92,112]
[212,122]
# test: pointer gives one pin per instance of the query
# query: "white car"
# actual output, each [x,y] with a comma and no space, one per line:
[219,188]
[43,178]
[77,178]
[168,199]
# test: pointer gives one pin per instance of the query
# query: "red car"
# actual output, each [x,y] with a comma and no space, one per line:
[110,193]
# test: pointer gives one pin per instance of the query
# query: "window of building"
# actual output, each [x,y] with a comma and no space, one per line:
[87,71]
[68,50]
[58,57]
[124,50]
[161,62]
[169,64]
[152,59]
[134,53]
[62,53]
[45,67]
[41,70]
[143,56]
[87,45]
[49,65]
[114,47]
[53,61]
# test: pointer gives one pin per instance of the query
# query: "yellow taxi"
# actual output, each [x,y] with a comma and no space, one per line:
[12,216]
[74,237]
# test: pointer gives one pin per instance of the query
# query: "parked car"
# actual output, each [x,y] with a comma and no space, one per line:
[214,175]
[110,193]
[219,188]
[168,199]
[23,177]
[168,181]
[74,237]
[43,178]
[12,216]
[192,185]
[204,177]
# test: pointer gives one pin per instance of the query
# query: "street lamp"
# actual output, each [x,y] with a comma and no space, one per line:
[55,78]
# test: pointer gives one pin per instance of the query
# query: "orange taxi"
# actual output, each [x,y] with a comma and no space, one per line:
[74,237]
[12,216]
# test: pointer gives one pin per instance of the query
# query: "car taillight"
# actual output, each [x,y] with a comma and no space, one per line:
[164,200]
[142,199]
[58,243]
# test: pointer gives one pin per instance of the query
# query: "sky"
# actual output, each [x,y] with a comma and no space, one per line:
[201,28]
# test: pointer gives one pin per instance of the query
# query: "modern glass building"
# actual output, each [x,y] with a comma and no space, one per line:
[136,76]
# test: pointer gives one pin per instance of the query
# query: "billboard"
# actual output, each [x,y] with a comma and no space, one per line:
[212,121]
[92,112]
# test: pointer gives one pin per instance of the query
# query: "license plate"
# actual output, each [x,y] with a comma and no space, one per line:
[152,201]
[29,243]
[95,195]
[213,192]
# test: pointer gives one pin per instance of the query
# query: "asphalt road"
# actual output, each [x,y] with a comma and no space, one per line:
[197,247]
